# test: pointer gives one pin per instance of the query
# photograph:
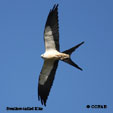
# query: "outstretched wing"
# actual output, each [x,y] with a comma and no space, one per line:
[46,78]
[51,32]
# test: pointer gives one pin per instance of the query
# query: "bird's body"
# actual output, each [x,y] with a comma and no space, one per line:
[52,55]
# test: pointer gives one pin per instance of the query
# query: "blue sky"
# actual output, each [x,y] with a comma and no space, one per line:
[21,44]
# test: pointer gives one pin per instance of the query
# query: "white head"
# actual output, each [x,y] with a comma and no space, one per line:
[42,55]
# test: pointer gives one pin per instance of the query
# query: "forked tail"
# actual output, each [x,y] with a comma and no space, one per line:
[70,51]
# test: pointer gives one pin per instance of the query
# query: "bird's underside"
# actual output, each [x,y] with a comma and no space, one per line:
[52,55]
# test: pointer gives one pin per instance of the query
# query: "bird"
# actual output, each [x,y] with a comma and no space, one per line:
[52,55]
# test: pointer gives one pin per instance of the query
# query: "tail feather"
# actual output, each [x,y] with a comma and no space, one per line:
[69,61]
[69,51]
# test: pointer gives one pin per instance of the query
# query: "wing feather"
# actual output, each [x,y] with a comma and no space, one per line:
[51,32]
[46,79]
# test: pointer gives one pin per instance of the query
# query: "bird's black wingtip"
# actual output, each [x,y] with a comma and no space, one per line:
[43,102]
[82,42]
[55,6]
[80,69]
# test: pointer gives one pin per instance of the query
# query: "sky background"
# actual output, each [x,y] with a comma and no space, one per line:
[21,44]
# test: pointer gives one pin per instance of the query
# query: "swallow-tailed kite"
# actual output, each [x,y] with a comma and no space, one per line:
[52,55]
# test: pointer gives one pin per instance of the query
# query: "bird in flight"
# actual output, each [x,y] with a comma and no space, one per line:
[52,55]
